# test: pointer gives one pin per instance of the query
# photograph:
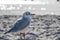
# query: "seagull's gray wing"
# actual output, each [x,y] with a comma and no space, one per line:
[19,25]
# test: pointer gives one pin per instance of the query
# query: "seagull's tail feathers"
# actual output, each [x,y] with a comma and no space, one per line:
[6,32]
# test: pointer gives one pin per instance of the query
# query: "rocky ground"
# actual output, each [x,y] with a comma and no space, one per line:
[47,27]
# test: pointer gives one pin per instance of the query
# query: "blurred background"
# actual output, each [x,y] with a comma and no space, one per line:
[37,6]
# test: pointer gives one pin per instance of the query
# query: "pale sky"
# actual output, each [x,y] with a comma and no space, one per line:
[37,7]
[26,2]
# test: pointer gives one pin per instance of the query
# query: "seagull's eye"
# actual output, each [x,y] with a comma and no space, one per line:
[27,13]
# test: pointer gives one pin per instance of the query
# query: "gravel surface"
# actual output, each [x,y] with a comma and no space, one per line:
[47,27]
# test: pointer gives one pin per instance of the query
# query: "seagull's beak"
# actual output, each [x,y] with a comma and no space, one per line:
[32,14]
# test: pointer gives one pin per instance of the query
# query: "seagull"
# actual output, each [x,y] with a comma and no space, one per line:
[21,24]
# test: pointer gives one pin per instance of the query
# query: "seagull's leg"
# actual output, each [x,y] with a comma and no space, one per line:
[22,35]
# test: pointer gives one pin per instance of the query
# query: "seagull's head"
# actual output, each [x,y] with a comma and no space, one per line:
[27,14]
